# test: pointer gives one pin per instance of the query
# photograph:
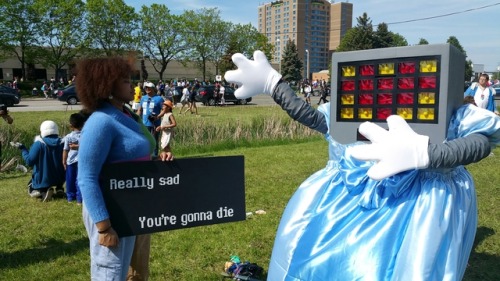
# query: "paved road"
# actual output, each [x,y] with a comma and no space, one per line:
[41,104]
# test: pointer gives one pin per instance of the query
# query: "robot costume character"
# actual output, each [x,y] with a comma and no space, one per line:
[396,209]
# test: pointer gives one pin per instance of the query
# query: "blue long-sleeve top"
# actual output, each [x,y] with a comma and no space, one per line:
[108,136]
[45,157]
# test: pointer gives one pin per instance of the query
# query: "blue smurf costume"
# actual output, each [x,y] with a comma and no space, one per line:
[396,209]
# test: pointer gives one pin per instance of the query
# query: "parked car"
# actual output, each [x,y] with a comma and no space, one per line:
[496,87]
[205,94]
[68,94]
[9,96]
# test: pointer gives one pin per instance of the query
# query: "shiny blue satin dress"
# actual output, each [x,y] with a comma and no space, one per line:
[416,225]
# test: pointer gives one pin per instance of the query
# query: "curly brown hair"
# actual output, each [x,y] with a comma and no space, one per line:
[97,78]
[469,99]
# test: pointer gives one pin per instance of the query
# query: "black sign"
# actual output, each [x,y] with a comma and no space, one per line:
[154,196]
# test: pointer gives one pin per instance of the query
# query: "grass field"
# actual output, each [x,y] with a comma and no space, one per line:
[47,241]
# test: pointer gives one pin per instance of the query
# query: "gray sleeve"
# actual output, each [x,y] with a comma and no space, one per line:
[461,151]
[298,109]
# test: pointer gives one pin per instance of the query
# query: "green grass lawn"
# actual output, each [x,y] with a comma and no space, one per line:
[47,241]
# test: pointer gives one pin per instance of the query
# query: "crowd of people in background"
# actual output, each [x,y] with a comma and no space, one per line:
[169,90]
[181,91]
[14,84]
[315,87]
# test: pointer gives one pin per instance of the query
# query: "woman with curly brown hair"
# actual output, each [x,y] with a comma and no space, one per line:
[112,133]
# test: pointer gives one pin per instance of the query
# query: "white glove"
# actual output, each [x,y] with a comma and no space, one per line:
[16,144]
[256,77]
[397,150]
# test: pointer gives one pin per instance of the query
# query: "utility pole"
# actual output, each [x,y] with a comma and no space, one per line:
[307,57]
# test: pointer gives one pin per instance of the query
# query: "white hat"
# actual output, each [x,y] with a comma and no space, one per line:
[149,84]
[48,128]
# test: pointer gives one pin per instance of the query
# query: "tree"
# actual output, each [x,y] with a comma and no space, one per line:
[423,42]
[207,34]
[382,38]
[362,37]
[226,62]
[111,26]
[263,44]
[244,39]
[468,70]
[59,32]
[220,45]
[359,37]
[398,40]
[18,21]
[291,65]
[452,40]
[162,36]
[250,39]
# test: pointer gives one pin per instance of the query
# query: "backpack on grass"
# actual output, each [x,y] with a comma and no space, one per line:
[243,270]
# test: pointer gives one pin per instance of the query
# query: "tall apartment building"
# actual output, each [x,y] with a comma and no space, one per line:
[316,27]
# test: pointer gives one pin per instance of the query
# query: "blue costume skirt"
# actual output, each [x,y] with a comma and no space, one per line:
[341,225]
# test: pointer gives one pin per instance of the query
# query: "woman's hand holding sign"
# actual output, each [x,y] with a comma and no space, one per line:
[107,235]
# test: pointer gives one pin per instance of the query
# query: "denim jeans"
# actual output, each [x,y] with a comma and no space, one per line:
[107,264]
[72,189]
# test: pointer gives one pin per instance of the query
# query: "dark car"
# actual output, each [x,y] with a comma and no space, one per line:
[205,94]
[9,96]
[68,95]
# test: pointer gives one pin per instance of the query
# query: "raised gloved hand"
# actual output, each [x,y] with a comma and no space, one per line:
[397,150]
[17,145]
[256,76]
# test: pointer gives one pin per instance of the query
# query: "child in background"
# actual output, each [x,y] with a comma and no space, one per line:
[185,99]
[45,89]
[167,126]
[70,157]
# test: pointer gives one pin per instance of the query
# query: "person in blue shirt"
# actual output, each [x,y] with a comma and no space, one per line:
[150,109]
[45,157]
[70,157]
[112,133]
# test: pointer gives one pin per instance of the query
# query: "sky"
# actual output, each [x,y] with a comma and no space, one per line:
[473,23]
